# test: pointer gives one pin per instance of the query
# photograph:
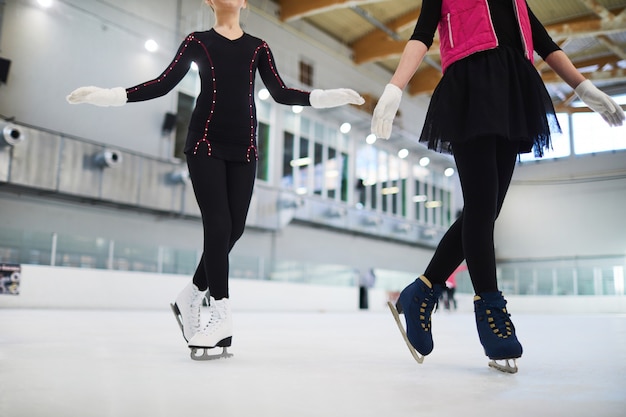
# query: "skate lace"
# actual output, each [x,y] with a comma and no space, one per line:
[427,306]
[195,302]
[498,320]
[215,319]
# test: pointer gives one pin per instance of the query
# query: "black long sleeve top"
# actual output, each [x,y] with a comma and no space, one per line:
[224,117]
[504,22]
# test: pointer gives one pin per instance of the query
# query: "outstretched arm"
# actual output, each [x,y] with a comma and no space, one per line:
[317,98]
[411,58]
[387,107]
[157,87]
[597,101]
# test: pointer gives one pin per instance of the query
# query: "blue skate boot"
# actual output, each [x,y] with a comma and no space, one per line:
[417,302]
[496,331]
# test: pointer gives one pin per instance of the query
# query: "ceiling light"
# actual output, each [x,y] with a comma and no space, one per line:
[151,45]
[297,109]
[420,198]
[448,172]
[403,153]
[263,94]
[424,161]
[301,162]
[370,139]
[45,3]
[433,204]
[390,190]
[345,128]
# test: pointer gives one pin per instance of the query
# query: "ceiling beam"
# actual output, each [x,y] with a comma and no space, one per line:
[378,45]
[424,81]
[296,9]
[613,74]
[598,9]
[612,46]
[587,27]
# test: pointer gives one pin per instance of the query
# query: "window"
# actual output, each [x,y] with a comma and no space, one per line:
[306,73]
[592,134]
[560,142]
[263,140]
[288,156]
[186,104]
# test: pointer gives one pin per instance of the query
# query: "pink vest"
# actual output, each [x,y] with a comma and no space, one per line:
[466,27]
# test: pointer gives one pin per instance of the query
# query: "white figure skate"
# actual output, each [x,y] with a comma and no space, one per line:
[218,332]
[186,308]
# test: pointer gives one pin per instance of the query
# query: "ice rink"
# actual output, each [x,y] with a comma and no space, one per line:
[69,363]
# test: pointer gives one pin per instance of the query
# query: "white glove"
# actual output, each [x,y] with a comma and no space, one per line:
[601,103]
[385,111]
[98,96]
[321,99]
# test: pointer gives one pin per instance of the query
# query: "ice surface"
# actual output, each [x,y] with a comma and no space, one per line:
[135,363]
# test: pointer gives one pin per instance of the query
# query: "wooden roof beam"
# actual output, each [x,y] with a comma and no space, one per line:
[377,45]
[601,11]
[612,46]
[587,27]
[424,81]
[296,9]
[614,74]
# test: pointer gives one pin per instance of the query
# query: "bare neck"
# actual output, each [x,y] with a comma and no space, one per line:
[227,24]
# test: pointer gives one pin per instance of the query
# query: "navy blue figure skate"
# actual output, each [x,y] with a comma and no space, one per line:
[417,302]
[496,331]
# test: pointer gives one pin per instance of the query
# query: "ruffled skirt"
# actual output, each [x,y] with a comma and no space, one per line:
[492,93]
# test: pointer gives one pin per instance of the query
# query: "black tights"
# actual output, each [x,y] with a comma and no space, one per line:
[223,190]
[485,167]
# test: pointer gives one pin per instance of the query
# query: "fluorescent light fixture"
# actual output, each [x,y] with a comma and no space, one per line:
[301,162]
[390,190]
[433,204]
[419,198]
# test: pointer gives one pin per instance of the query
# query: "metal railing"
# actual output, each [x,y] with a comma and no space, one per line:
[553,277]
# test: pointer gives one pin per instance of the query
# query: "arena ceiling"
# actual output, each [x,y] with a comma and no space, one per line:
[591,32]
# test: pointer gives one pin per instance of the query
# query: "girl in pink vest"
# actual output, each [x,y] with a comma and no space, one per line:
[490,106]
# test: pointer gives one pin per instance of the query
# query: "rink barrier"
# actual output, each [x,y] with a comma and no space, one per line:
[82,288]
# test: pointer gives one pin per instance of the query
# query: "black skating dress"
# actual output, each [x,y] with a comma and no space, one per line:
[223,123]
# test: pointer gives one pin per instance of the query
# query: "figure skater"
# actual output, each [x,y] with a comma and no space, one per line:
[221,151]
[489,106]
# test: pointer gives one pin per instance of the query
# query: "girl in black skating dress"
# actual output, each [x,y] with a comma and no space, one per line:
[220,149]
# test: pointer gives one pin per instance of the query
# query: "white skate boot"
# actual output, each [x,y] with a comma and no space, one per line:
[218,332]
[186,308]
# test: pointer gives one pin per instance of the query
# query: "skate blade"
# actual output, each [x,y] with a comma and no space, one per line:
[504,367]
[396,316]
[178,319]
[205,354]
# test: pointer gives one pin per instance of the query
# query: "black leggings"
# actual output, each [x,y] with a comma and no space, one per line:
[223,190]
[485,167]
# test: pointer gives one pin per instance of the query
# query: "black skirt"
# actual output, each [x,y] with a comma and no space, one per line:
[497,92]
